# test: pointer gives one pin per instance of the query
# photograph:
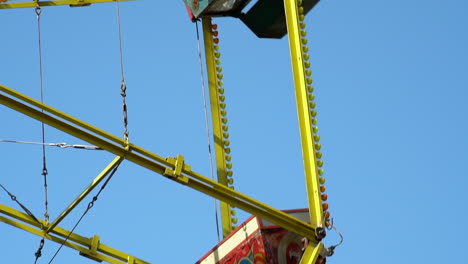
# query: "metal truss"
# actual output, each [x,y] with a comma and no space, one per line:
[174,168]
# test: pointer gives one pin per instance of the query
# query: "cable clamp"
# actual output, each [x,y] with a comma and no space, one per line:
[176,172]
[327,252]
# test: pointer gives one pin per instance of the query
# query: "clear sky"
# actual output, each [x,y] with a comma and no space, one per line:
[391,91]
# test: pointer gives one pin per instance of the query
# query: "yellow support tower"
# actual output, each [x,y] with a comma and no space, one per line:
[307,124]
[303,89]
[219,118]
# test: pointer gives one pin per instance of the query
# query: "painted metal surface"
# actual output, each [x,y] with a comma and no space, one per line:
[211,8]
[267,18]
[253,242]
[72,3]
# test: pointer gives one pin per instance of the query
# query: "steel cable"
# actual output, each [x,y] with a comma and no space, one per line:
[45,172]
[60,145]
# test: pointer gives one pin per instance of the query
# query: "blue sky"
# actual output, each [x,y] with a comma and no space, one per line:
[390,82]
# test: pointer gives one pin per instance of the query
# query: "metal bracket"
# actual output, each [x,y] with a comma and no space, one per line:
[80,3]
[175,173]
[320,233]
[92,252]
[328,252]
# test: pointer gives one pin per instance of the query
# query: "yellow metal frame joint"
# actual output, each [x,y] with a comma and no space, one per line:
[91,247]
[176,172]
[85,192]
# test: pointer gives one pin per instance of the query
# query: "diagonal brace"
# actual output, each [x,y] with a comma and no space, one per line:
[83,194]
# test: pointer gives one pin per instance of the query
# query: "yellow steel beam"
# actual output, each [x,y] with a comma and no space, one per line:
[311,253]
[153,162]
[86,246]
[85,192]
[54,3]
[305,124]
[221,170]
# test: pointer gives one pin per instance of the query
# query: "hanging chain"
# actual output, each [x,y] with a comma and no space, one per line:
[123,93]
[202,74]
[123,85]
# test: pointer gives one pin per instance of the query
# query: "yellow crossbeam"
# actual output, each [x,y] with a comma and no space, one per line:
[152,161]
[72,3]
